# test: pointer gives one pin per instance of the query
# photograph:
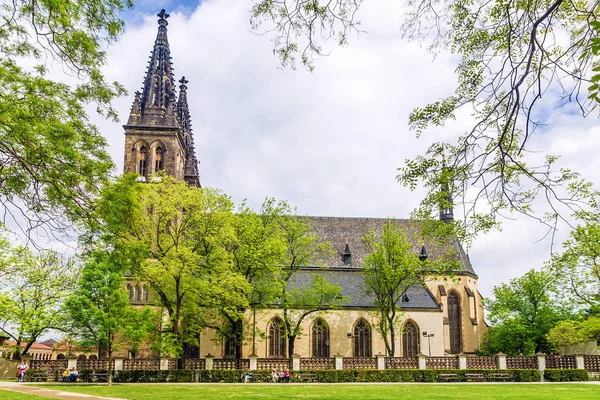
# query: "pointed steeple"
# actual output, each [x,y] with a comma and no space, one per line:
[446,203]
[156,103]
[185,123]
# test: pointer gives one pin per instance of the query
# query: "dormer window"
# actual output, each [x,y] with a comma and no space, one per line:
[347,255]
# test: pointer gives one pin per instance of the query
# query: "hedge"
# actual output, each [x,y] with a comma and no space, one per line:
[565,375]
[173,375]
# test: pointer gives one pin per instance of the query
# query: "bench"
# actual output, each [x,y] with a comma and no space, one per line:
[475,377]
[38,377]
[499,376]
[306,377]
[99,376]
[447,377]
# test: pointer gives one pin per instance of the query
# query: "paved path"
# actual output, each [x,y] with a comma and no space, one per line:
[48,393]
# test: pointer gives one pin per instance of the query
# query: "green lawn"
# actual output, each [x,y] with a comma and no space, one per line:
[340,391]
[8,395]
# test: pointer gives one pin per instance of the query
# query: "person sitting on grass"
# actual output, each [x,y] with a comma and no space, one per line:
[65,375]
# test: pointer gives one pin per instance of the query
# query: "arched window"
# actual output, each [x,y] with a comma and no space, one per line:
[82,357]
[93,357]
[136,290]
[228,349]
[60,357]
[362,339]
[143,161]
[410,340]
[277,339]
[454,322]
[158,159]
[130,291]
[320,339]
[145,293]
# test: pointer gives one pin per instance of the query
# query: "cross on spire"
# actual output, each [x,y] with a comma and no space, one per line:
[162,15]
[183,81]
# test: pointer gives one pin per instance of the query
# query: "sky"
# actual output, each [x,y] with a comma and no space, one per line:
[329,142]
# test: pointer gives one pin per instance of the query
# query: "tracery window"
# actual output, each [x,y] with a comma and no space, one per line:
[228,349]
[145,293]
[143,161]
[136,291]
[130,291]
[454,322]
[410,340]
[362,339]
[277,338]
[320,339]
[158,159]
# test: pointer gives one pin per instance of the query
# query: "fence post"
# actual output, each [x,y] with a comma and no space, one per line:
[501,360]
[579,358]
[72,362]
[118,363]
[253,362]
[339,362]
[422,361]
[208,362]
[380,361]
[296,362]
[164,363]
[541,361]
[462,361]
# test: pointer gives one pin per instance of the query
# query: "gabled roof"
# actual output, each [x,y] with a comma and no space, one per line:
[344,230]
[352,282]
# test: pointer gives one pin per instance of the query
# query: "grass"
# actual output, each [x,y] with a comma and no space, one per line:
[339,391]
[9,395]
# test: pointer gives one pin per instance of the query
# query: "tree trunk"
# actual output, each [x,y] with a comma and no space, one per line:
[291,344]
[110,367]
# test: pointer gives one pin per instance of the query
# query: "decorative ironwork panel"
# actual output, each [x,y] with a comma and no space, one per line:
[226,363]
[482,362]
[362,339]
[172,363]
[561,362]
[195,363]
[54,368]
[591,363]
[278,364]
[312,363]
[521,362]
[141,364]
[93,365]
[410,340]
[401,362]
[359,363]
[441,362]
[454,322]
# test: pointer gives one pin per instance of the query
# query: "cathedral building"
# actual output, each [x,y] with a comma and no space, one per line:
[444,316]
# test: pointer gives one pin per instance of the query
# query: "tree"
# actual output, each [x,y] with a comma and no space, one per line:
[391,267]
[99,310]
[522,313]
[511,55]
[569,333]
[169,235]
[53,160]
[303,249]
[31,301]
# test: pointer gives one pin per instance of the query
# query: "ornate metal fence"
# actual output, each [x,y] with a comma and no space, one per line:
[521,362]
[54,368]
[591,363]
[401,363]
[278,364]
[93,365]
[442,363]
[359,363]
[313,363]
[195,363]
[226,363]
[141,364]
[561,362]
[482,362]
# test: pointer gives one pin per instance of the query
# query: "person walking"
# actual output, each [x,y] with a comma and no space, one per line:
[21,368]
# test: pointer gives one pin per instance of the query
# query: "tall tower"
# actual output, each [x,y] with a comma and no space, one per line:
[158,133]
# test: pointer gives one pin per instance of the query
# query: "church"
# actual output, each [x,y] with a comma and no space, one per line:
[444,316]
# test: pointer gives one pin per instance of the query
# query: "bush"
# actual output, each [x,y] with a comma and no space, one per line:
[565,375]
[176,375]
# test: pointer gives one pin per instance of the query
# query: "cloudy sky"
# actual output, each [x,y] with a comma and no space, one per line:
[329,142]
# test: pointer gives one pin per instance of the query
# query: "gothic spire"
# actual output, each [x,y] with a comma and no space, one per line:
[185,123]
[156,103]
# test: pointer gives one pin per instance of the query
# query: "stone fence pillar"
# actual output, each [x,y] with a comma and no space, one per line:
[339,362]
[462,361]
[541,361]
[208,362]
[253,362]
[72,362]
[422,361]
[380,361]
[501,360]
[118,363]
[580,361]
[164,363]
[296,362]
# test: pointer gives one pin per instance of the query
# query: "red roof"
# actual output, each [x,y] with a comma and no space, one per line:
[37,346]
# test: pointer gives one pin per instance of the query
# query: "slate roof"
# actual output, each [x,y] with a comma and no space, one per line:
[351,280]
[342,230]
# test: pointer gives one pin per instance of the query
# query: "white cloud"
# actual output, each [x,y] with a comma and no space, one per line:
[328,142]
